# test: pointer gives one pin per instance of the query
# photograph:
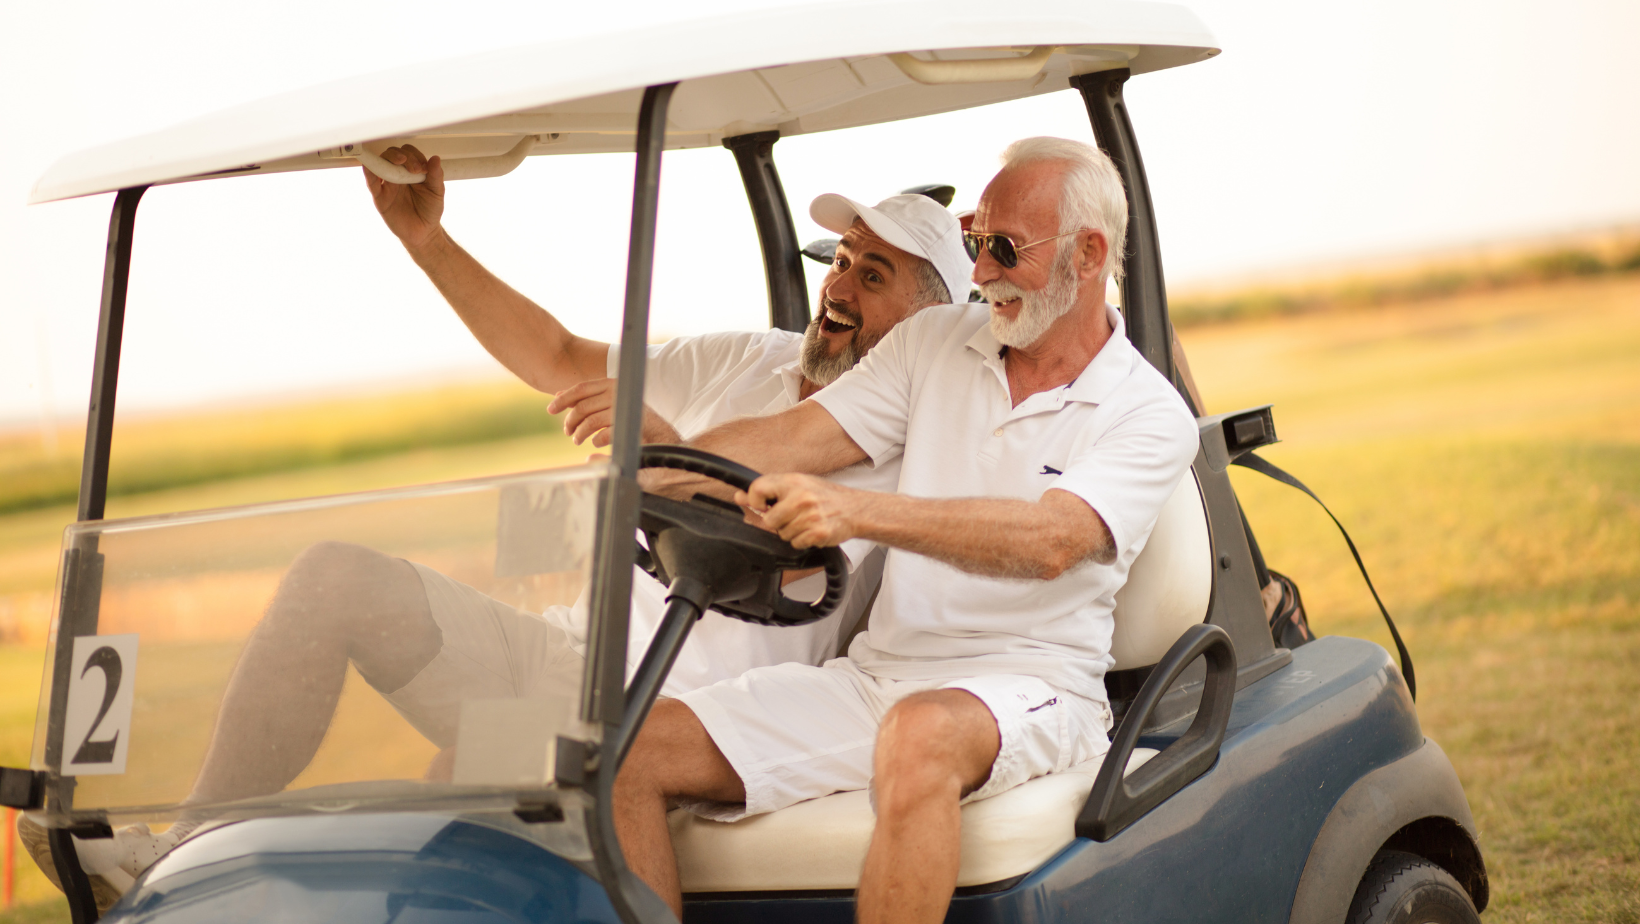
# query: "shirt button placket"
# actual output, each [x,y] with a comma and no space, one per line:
[997,432]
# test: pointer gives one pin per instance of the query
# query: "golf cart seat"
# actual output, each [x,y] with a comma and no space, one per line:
[821,843]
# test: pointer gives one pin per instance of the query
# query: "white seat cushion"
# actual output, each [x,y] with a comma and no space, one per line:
[1169,585]
[821,843]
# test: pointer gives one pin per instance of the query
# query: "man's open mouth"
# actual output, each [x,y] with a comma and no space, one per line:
[834,322]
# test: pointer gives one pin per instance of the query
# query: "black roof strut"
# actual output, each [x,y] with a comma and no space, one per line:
[1144,292]
[603,700]
[82,567]
[1235,602]
[782,262]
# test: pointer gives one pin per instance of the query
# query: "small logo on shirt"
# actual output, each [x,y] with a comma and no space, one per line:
[1050,470]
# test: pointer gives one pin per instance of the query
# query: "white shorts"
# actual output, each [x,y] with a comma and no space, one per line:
[491,650]
[796,732]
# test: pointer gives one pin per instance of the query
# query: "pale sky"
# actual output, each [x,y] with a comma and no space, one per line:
[1326,131]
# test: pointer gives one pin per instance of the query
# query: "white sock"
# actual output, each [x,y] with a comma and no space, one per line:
[130,851]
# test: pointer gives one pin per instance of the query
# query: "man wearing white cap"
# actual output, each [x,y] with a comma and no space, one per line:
[428,642]
[893,259]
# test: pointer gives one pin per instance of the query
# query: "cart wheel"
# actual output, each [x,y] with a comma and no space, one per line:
[1404,888]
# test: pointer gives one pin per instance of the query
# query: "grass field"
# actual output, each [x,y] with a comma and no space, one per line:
[1481,269]
[1485,454]
[157,452]
[1484,451]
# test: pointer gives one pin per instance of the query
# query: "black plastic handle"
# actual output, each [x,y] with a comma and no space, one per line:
[1118,801]
[22,789]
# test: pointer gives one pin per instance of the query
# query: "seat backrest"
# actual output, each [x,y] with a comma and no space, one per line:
[1170,584]
[868,579]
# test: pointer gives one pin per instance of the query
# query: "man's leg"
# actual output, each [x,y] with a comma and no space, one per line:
[933,749]
[673,758]
[338,602]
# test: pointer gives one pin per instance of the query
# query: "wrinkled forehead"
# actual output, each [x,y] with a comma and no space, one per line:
[1022,198]
[863,244]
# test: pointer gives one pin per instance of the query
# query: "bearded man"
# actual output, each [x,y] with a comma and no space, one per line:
[1037,448]
[427,642]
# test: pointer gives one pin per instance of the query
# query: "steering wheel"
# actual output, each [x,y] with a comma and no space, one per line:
[708,540]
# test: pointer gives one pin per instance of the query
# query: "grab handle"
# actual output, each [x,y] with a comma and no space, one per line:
[1118,800]
[980,70]
[462,168]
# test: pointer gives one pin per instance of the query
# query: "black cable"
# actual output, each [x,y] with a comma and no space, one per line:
[1256,463]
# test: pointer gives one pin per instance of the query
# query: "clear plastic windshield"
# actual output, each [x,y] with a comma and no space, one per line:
[417,647]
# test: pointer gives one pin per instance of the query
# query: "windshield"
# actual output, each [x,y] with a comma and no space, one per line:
[415,647]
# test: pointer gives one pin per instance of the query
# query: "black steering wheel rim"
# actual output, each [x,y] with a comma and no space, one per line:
[699,462]
[714,520]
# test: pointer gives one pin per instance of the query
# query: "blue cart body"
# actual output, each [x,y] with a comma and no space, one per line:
[1234,845]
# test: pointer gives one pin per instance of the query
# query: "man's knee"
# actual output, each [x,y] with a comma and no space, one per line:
[332,567]
[343,583]
[674,757]
[372,604]
[935,744]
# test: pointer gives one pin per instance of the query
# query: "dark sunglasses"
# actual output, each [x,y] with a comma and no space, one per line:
[1001,247]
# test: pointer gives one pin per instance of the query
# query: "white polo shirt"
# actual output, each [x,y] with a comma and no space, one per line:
[696,383]
[934,394]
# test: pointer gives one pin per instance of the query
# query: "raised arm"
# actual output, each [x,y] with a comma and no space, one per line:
[520,334]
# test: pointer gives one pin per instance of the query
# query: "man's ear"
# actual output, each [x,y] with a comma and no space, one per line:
[1092,254]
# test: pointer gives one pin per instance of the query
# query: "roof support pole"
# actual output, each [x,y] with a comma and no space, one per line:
[603,700]
[782,260]
[105,373]
[1144,292]
[1236,605]
[82,567]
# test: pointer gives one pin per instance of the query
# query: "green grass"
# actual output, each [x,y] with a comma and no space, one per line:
[1485,455]
[156,453]
[29,540]
[1514,572]
[1484,451]
[1440,280]
[45,911]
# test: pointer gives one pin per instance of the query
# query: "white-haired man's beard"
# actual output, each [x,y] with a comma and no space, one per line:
[818,364]
[1038,309]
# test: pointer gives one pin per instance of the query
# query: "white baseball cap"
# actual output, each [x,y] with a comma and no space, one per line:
[915,224]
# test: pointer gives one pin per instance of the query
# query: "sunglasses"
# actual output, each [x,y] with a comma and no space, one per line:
[1001,247]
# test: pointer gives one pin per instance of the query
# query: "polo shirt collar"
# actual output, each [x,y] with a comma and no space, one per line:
[1101,377]
[1109,368]
[791,379]
[983,343]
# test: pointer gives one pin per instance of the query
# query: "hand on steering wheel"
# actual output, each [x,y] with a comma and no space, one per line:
[708,540]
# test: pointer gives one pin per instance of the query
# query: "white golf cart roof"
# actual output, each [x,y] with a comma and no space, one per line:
[863,62]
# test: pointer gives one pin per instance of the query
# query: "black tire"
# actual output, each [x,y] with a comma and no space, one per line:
[1404,888]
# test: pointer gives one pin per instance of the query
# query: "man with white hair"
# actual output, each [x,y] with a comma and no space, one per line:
[1037,448]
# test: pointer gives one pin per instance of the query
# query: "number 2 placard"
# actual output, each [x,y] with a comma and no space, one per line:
[97,728]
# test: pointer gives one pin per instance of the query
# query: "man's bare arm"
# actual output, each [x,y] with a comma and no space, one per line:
[995,537]
[520,334]
[805,438]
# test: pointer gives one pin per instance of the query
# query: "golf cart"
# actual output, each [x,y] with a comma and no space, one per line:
[1244,781]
